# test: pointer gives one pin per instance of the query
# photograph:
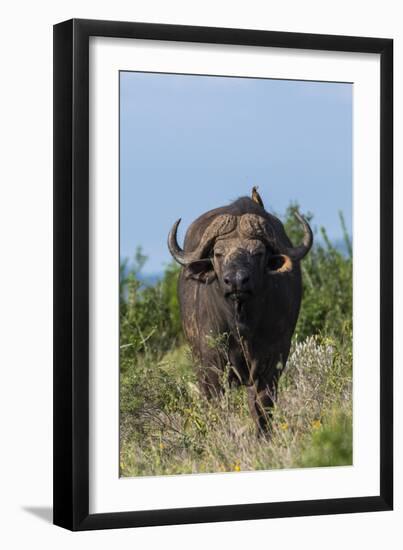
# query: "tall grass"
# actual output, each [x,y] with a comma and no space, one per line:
[169,427]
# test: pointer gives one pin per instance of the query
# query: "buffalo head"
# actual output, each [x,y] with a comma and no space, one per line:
[240,252]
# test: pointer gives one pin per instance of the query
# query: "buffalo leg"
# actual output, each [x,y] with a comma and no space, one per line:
[210,381]
[261,399]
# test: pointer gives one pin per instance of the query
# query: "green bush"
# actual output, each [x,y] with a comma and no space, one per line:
[327,282]
[169,288]
[331,444]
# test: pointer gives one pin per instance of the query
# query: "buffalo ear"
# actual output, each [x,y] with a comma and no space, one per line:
[201,270]
[279,263]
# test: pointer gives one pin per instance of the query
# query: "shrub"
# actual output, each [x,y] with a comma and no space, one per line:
[149,314]
[327,282]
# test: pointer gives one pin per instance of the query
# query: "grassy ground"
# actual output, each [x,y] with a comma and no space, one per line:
[168,427]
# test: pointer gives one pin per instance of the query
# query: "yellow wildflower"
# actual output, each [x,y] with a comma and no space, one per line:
[284,426]
[316,424]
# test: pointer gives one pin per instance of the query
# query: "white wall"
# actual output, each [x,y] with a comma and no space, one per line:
[25,274]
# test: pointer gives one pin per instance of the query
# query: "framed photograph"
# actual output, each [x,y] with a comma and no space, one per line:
[223,274]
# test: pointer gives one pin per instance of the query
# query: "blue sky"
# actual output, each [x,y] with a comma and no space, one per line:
[191,143]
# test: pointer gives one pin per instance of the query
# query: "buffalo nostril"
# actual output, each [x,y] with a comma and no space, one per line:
[226,280]
[242,278]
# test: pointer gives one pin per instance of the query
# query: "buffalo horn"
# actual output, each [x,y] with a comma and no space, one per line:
[177,253]
[219,226]
[298,252]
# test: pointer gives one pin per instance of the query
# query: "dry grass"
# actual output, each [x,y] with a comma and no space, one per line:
[168,427]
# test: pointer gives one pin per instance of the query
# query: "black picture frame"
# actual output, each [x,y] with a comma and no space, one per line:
[71,274]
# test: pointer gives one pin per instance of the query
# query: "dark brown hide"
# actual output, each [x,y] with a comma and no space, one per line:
[240,285]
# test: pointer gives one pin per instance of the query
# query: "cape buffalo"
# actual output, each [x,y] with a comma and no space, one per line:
[240,294]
